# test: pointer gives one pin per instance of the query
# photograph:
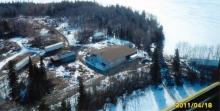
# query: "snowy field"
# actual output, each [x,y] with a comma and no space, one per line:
[153,99]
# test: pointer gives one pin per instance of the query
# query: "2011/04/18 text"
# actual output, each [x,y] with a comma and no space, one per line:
[184,105]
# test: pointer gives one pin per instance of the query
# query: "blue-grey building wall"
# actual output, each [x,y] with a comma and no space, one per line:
[101,64]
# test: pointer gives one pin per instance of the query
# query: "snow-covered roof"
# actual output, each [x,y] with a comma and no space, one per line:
[22,63]
[63,55]
[54,46]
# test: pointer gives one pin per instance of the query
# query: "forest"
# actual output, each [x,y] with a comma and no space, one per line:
[138,27]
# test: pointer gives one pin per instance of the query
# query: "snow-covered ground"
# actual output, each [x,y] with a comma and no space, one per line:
[62,26]
[71,36]
[153,99]
[108,42]
[71,71]
[46,20]
[69,33]
[62,72]
[44,32]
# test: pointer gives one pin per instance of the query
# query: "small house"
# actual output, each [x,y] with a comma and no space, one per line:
[97,36]
[64,57]
[109,57]
[21,64]
[54,47]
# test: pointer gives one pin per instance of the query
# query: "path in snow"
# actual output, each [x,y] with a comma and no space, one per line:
[71,36]
[68,33]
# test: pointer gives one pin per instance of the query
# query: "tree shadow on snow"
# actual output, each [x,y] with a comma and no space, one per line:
[159,97]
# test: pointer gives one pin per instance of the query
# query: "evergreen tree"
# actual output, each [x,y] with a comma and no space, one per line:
[36,81]
[30,68]
[13,81]
[216,73]
[65,106]
[109,31]
[176,68]
[82,96]
[32,86]
[30,89]
[68,106]
[42,66]
[43,107]
[192,76]
[155,68]
[176,62]
[43,76]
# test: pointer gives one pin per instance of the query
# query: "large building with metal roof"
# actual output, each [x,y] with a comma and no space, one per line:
[109,57]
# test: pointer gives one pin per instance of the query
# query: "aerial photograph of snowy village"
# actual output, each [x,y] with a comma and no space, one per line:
[109,55]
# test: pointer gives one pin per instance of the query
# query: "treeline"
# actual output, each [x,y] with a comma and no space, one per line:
[190,51]
[140,28]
